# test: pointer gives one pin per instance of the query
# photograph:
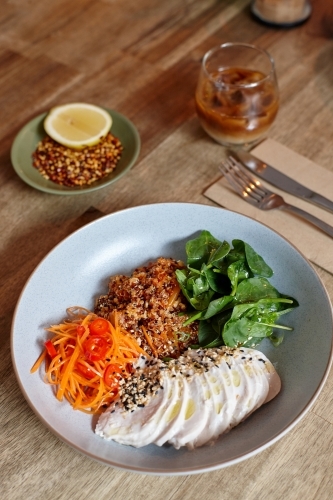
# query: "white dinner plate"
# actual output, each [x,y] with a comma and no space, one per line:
[77,270]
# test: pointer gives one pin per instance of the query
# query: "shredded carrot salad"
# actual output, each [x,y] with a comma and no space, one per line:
[86,359]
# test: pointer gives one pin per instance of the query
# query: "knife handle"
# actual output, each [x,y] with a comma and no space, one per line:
[310,218]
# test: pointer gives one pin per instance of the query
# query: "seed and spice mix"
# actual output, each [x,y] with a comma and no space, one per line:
[70,167]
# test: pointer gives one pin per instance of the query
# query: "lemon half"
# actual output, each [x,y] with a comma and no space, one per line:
[77,125]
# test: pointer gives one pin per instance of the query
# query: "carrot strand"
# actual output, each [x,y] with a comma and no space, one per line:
[76,375]
[38,362]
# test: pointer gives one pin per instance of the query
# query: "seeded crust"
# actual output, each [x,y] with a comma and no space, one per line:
[146,381]
[149,303]
[69,167]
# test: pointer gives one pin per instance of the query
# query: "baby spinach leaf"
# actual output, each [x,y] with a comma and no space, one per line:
[238,251]
[217,305]
[200,249]
[181,275]
[271,309]
[220,320]
[238,331]
[217,281]
[201,302]
[241,310]
[207,335]
[219,254]
[256,263]
[253,289]
[200,285]
[237,271]
[215,343]
[229,291]
[252,342]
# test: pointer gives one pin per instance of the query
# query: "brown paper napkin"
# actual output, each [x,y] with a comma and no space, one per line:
[314,244]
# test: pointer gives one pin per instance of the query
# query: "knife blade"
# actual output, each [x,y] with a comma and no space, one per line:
[282,181]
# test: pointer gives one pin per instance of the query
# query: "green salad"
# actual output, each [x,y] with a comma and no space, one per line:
[228,291]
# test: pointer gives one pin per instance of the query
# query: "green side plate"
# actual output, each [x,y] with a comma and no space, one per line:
[27,139]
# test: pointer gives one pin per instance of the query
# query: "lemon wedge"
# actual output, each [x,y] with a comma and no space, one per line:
[77,125]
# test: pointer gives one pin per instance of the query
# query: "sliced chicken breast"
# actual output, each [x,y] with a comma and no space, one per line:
[190,401]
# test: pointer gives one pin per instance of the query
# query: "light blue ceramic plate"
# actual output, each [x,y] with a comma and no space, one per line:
[77,271]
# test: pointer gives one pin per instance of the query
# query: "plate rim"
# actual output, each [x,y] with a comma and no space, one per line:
[36,121]
[193,469]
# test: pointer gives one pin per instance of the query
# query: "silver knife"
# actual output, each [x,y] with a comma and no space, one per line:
[282,181]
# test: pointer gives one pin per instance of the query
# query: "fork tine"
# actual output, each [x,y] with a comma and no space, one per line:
[226,169]
[244,186]
[252,182]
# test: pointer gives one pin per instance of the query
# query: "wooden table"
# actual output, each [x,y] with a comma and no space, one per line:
[142,58]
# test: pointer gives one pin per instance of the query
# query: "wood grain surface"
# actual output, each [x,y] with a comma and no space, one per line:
[142,58]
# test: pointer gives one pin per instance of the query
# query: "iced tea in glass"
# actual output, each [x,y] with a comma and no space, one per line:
[237,96]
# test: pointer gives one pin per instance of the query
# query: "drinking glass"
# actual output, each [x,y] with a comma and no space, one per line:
[237,97]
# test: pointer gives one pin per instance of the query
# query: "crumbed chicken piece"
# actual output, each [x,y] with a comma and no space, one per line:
[151,306]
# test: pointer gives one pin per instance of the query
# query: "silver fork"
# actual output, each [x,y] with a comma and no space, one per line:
[252,191]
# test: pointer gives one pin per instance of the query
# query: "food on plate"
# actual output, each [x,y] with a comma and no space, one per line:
[229,292]
[190,401]
[87,358]
[70,167]
[77,125]
[79,148]
[168,352]
[151,306]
